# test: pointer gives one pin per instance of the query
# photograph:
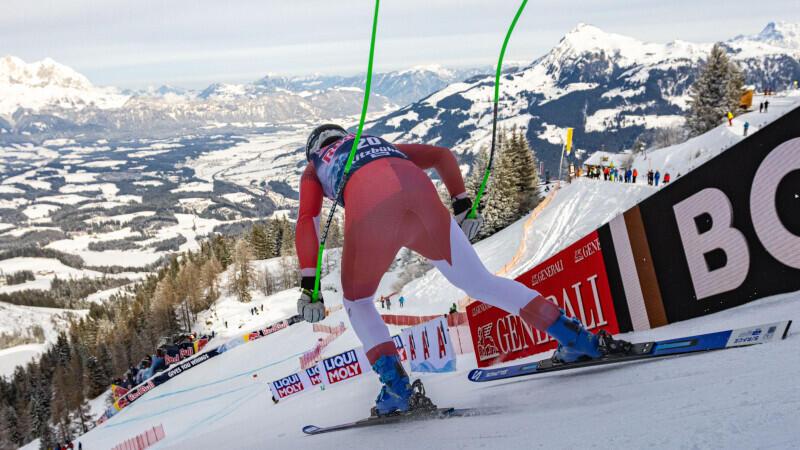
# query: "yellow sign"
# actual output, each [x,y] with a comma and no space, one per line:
[569,139]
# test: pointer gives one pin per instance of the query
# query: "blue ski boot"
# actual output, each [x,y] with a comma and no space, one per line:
[576,344]
[396,391]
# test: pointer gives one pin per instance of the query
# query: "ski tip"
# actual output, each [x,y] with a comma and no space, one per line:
[786,331]
[475,374]
[310,429]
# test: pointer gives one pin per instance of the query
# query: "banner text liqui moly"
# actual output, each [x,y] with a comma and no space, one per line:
[287,386]
[343,366]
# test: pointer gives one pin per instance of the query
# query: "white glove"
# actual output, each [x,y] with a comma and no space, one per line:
[470,225]
[308,310]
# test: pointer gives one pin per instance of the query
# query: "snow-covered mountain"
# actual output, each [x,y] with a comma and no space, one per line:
[48,84]
[777,34]
[610,88]
[401,87]
[51,100]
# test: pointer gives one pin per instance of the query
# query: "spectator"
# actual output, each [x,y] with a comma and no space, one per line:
[650,177]
[388,303]
[262,307]
[453,309]
[761,107]
[666,178]
[401,300]
[605,173]
[226,324]
[746,126]
[383,302]
[730,119]
[658,175]
[635,173]
[766,105]
[628,175]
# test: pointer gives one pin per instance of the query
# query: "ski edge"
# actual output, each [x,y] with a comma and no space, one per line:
[439,413]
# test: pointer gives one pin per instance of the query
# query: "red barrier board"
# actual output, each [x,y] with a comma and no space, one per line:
[574,279]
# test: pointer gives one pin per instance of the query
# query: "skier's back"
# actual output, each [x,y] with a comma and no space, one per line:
[390,204]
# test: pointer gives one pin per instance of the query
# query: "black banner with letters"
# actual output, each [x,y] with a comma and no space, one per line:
[729,232]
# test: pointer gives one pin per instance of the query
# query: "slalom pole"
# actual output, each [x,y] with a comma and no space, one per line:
[346,174]
[494,118]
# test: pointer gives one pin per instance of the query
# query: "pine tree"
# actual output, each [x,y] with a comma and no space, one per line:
[716,91]
[13,432]
[525,172]
[98,381]
[287,238]
[258,241]
[242,276]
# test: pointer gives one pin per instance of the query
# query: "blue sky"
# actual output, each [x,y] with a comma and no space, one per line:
[193,43]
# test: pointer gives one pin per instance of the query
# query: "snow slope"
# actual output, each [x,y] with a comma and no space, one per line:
[739,398]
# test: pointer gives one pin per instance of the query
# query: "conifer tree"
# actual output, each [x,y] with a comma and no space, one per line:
[242,276]
[716,91]
[287,238]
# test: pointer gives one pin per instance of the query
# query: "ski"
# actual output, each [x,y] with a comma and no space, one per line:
[681,346]
[438,413]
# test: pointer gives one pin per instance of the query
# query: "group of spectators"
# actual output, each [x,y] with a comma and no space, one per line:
[66,446]
[386,302]
[151,364]
[253,311]
[629,175]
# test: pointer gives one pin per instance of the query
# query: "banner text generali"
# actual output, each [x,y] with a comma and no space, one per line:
[574,279]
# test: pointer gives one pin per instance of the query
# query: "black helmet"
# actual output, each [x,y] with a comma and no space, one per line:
[322,136]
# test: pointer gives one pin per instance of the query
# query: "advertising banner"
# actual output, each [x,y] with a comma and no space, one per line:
[574,279]
[401,349]
[287,386]
[344,366]
[429,347]
[118,391]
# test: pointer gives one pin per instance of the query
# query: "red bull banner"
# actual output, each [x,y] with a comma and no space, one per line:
[118,391]
[574,279]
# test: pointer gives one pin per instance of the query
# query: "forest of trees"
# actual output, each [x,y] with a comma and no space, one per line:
[512,190]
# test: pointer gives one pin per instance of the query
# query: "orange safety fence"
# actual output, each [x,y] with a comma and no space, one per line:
[311,357]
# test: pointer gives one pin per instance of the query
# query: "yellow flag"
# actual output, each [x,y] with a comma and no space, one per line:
[569,139]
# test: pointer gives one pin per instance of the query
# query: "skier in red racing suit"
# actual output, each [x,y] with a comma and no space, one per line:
[391,203]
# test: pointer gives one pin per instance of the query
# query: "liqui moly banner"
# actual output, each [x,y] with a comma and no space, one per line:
[429,347]
[288,386]
[344,366]
[312,373]
[574,279]
[401,349]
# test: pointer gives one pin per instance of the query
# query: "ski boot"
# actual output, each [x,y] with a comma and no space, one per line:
[397,395]
[577,344]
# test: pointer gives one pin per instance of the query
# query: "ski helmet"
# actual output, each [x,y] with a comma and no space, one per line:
[323,136]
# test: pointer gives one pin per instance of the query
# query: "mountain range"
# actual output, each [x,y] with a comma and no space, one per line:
[608,87]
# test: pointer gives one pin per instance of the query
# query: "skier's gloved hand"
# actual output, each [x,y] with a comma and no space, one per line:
[470,225]
[308,310]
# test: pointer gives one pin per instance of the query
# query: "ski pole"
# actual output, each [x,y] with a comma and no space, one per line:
[346,174]
[471,214]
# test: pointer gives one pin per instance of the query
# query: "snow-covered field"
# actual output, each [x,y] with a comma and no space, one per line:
[739,398]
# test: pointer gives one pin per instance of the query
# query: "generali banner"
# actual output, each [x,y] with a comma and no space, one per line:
[723,235]
[574,279]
